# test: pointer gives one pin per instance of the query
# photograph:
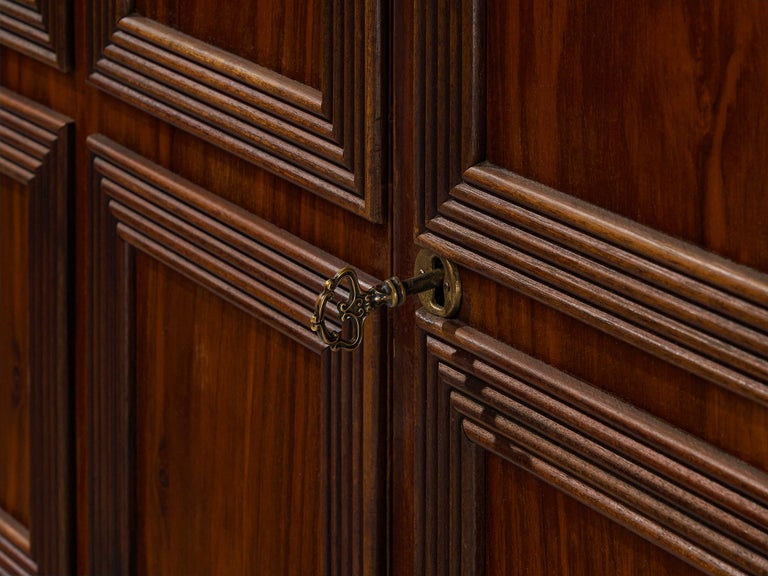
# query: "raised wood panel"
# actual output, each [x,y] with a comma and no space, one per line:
[40,29]
[672,489]
[147,220]
[327,140]
[683,304]
[36,463]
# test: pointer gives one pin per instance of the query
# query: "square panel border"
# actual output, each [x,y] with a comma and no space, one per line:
[481,397]
[329,142]
[42,31]
[268,274]
[687,306]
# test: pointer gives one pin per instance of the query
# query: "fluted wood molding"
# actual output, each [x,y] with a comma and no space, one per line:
[683,304]
[42,30]
[328,142]
[35,151]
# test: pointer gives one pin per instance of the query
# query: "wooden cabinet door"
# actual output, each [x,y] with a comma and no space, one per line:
[598,171]
[228,158]
[178,181]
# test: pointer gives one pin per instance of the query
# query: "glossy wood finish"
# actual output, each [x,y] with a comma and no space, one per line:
[286,37]
[667,486]
[519,126]
[253,264]
[534,510]
[36,448]
[15,416]
[658,119]
[231,458]
[594,169]
[147,216]
[40,29]
[328,141]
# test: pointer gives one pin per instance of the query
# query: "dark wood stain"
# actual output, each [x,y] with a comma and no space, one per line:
[282,36]
[15,413]
[225,418]
[597,171]
[553,534]
[657,117]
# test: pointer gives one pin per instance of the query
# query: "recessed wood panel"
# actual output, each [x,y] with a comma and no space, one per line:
[231,437]
[286,37]
[15,412]
[40,29]
[326,139]
[272,441]
[661,118]
[36,455]
[671,489]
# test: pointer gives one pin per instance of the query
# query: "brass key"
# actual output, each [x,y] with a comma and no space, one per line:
[437,283]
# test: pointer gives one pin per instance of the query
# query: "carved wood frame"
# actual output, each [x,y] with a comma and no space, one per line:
[268,274]
[669,487]
[683,304]
[36,152]
[42,31]
[329,142]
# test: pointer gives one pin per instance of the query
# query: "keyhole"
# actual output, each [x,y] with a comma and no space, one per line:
[439,295]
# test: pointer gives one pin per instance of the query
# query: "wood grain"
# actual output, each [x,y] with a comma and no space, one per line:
[285,37]
[15,418]
[254,263]
[556,534]
[41,30]
[328,142]
[663,116]
[36,456]
[148,220]
[669,487]
[231,450]
[685,304]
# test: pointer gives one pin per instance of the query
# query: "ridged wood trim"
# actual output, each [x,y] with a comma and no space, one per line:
[13,559]
[14,547]
[36,152]
[611,310]
[333,148]
[673,489]
[686,305]
[249,259]
[42,31]
[449,493]
[268,274]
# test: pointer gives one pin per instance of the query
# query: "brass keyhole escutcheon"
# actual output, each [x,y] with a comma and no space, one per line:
[443,300]
[436,281]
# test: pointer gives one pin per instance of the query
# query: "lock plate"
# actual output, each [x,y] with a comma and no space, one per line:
[445,300]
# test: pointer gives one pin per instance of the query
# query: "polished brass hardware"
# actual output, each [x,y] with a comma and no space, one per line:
[436,282]
[444,300]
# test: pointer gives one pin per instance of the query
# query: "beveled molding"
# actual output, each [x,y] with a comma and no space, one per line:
[41,30]
[265,272]
[683,304]
[667,486]
[35,150]
[327,141]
